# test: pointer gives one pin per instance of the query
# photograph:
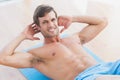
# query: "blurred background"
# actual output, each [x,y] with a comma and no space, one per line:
[15,15]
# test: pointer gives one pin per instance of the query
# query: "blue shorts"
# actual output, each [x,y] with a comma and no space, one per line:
[111,68]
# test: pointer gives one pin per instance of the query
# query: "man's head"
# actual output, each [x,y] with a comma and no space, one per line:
[41,11]
[46,18]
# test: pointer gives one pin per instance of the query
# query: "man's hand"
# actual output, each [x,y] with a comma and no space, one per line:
[64,21]
[30,31]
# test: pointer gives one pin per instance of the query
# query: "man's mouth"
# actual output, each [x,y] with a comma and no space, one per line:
[51,30]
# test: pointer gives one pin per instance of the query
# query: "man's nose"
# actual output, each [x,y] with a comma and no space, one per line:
[51,24]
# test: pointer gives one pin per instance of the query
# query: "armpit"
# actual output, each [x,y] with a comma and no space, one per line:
[36,60]
[82,39]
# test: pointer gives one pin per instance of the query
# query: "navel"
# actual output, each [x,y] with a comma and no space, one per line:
[53,54]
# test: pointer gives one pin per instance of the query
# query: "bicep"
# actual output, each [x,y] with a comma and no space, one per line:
[18,60]
[90,32]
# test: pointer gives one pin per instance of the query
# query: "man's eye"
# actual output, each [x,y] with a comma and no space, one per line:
[53,20]
[44,22]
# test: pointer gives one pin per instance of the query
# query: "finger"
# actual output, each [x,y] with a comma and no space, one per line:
[62,30]
[60,21]
[66,25]
[36,38]
[36,31]
[63,23]
[34,27]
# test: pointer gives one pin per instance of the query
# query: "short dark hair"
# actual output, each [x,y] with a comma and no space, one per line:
[40,11]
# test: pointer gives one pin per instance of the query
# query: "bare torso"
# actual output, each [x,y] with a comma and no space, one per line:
[63,60]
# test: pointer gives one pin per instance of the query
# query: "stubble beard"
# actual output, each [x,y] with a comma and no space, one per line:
[50,34]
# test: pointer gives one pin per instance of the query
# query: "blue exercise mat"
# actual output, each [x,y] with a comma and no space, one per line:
[33,74]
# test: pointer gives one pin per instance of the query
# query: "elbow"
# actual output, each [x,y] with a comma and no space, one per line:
[104,22]
[2,59]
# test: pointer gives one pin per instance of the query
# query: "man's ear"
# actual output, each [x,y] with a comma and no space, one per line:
[58,20]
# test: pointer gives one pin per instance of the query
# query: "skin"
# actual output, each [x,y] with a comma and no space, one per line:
[65,57]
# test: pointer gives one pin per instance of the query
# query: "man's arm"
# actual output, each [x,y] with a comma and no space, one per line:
[94,27]
[9,57]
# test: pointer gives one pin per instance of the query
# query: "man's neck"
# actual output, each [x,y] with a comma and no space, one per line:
[52,40]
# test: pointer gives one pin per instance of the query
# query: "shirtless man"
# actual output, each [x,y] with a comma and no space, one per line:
[65,57]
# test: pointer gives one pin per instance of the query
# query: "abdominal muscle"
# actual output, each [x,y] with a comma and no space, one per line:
[65,65]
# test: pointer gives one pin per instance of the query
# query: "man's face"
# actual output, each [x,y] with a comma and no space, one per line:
[48,25]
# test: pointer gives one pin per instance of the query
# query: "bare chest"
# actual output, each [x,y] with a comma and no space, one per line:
[56,57]
[57,51]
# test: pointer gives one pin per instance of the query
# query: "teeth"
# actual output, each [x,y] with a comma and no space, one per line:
[51,30]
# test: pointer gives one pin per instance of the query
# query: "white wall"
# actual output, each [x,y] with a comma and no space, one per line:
[106,45]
